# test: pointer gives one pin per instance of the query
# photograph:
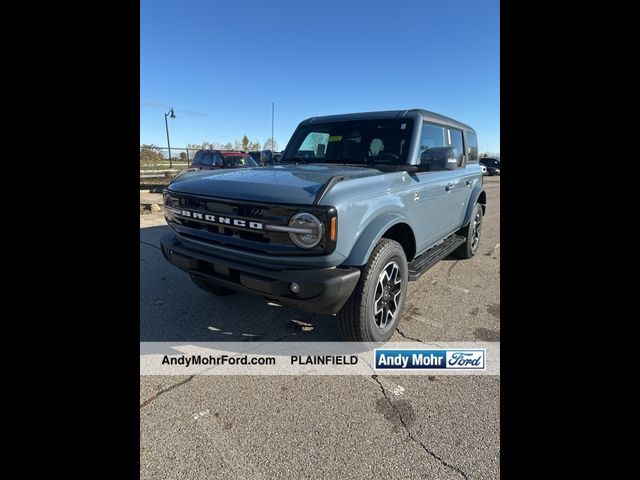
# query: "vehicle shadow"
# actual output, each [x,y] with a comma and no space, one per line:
[173,309]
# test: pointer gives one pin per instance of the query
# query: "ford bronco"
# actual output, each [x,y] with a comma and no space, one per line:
[360,205]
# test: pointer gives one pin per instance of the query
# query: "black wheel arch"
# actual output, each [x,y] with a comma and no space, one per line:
[403,234]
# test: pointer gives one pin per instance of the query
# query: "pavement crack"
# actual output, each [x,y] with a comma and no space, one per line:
[149,244]
[169,388]
[408,337]
[412,437]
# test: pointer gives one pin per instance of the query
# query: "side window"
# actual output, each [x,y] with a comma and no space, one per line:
[217,159]
[432,147]
[472,147]
[455,140]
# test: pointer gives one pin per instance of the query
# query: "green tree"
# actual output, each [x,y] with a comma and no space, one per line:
[150,155]
[245,143]
[183,157]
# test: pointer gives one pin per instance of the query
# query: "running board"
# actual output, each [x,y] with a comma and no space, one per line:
[432,256]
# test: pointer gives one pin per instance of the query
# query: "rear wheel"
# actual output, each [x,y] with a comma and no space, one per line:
[375,306]
[210,287]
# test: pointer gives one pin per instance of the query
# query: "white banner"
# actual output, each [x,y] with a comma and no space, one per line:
[319,358]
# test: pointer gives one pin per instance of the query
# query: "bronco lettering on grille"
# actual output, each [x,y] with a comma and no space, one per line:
[217,219]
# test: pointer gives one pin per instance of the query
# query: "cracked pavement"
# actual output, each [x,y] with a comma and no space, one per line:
[321,427]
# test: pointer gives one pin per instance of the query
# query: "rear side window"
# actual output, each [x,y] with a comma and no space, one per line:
[455,140]
[472,147]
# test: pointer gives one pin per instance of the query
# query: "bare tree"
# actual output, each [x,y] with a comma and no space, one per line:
[271,144]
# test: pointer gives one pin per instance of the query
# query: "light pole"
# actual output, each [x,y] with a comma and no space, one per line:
[171,114]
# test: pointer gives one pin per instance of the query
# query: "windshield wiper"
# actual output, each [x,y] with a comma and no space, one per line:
[347,162]
[363,165]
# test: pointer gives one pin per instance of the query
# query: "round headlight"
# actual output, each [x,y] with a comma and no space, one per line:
[309,230]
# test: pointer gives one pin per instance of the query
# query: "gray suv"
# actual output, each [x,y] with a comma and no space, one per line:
[360,205]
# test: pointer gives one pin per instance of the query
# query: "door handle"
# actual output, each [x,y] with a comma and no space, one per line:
[449,187]
[416,196]
[469,182]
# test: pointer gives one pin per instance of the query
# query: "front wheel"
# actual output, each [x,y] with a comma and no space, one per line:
[471,233]
[375,306]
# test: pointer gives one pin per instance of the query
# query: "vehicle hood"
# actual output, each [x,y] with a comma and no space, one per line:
[276,184]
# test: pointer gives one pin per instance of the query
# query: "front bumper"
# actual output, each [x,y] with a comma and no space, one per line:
[322,291]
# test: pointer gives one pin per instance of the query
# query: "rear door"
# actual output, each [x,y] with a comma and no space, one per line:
[464,180]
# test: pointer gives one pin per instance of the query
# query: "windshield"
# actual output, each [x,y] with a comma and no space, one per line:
[365,142]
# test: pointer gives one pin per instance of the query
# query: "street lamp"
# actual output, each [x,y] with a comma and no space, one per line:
[170,114]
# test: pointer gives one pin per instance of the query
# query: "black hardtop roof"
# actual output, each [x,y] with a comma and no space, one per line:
[426,115]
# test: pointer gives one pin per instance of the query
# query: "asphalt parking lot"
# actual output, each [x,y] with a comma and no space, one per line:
[358,427]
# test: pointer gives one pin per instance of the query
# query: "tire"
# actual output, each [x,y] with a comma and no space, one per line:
[471,233]
[358,320]
[202,284]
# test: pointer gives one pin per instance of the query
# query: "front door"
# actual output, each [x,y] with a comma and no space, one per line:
[432,207]
[432,195]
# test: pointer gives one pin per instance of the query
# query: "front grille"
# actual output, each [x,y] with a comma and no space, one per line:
[240,231]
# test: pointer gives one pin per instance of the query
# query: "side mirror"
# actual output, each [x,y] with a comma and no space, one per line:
[439,158]
[451,156]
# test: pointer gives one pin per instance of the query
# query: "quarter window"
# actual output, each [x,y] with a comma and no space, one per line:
[472,147]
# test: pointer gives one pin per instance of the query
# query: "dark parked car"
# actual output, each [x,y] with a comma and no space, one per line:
[213,159]
[492,164]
